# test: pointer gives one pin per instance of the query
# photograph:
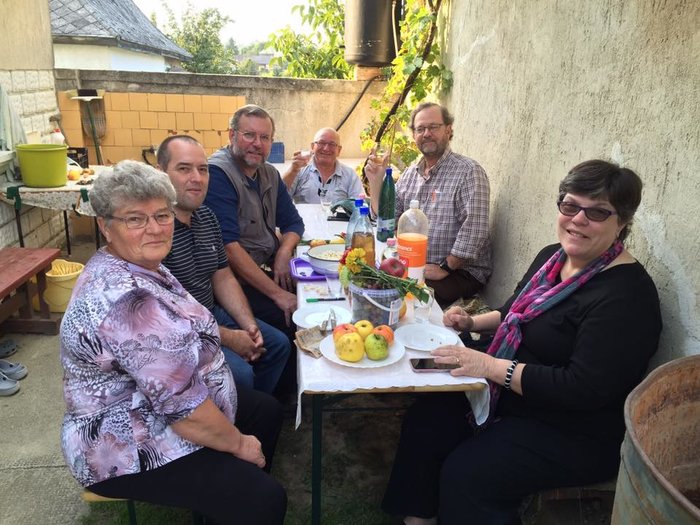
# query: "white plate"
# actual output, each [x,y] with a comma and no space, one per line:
[396,352]
[314,314]
[425,337]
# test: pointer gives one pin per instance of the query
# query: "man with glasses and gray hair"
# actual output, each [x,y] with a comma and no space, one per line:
[310,177]
[250,201]
[453,191]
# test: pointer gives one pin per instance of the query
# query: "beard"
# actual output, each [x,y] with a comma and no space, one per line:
[241,155]
[432,148]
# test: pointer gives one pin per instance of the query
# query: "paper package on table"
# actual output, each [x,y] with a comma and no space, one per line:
[309,341]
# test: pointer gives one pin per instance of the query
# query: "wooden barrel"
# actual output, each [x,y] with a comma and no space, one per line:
[659,478]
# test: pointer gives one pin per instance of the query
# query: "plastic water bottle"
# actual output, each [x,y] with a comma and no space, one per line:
[359,202]
[386,217]
[412,239]
[363,236]
[56,137]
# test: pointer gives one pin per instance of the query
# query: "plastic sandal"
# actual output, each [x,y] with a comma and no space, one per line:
[7,386]
[7,348]
[14,371]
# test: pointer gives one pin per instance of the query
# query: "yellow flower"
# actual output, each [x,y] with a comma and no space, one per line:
[351,261]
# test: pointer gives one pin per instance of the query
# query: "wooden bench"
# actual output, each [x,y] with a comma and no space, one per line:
[91,497]
[533,505]
[17,267]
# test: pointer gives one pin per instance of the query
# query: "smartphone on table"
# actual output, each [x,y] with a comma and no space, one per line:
[428,364]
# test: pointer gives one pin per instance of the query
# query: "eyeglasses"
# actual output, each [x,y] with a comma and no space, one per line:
[250,136]
[324,144]
[420,130]
[136,222]
[592,213]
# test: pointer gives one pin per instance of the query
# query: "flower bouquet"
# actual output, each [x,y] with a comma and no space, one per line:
[375,294]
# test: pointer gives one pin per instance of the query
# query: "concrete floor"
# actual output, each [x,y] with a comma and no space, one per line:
[36,486]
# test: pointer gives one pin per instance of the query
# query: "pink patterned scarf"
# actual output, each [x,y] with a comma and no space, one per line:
[537,296]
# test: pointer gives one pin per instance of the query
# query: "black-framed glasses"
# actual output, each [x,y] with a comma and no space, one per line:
[322,192]
[138,221]
[592,213]
[420,130]
[250,136]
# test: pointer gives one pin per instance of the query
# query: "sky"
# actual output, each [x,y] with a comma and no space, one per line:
[252,21]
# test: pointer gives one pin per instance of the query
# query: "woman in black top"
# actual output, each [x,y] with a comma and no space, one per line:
[572,342]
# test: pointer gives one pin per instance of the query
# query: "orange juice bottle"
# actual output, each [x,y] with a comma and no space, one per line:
[412,240]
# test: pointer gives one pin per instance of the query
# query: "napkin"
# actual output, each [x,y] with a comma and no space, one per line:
[309,341]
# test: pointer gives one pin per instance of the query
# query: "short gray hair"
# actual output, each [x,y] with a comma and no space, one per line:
[129,180]
[250,110]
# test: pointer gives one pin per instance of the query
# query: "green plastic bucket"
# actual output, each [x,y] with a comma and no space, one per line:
[43,165]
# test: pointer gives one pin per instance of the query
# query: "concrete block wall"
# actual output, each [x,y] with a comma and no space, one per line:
[138,121]
[31,94]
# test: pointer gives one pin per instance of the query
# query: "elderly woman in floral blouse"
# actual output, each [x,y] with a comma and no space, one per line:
[152,412]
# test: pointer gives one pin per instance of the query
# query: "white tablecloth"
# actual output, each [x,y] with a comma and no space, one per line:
[323,376]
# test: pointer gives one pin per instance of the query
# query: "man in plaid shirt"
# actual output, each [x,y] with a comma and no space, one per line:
[453,191]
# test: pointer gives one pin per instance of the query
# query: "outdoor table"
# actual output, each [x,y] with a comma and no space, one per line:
[323,379]
[70,197]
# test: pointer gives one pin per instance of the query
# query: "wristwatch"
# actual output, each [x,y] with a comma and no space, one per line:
[445,266]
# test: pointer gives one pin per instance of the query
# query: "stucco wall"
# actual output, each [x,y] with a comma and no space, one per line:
[26,75]
[540,86]
[25,35]
[299,106]
[106,57]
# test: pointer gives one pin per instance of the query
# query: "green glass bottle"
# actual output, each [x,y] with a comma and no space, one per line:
[386,216]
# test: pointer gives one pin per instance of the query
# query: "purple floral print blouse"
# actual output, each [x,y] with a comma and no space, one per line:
[138,353]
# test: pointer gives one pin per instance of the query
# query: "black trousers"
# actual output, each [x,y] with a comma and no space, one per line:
[444,468]
[218,485]
[457,285]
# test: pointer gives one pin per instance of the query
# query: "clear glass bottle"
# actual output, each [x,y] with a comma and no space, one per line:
[412,239]
[363,236]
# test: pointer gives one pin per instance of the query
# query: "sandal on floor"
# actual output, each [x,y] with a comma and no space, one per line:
[14,371]
[7,348]
[7,386]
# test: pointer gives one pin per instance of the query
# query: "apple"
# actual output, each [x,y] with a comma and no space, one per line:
[342,329]
[393,266]
[385,331]
[376,347]
[350,347]
[364,328]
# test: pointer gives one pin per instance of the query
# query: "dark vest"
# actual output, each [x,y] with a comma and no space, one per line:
[257,213]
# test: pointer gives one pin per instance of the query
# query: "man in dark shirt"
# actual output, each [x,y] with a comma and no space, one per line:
[250,200]
[255,351]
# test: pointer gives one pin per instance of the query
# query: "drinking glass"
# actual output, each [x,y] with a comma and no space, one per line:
[421,309]
[326,201]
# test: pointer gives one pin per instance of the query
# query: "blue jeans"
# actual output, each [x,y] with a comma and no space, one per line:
[266,371]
